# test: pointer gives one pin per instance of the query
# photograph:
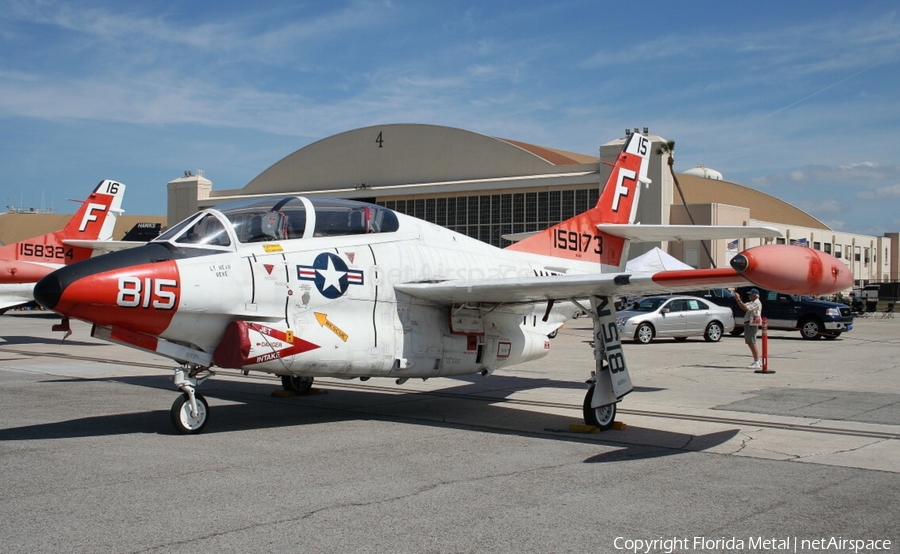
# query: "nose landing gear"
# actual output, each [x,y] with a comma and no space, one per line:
[190,411]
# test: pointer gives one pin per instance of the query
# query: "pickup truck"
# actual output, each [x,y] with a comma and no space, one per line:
[813,318]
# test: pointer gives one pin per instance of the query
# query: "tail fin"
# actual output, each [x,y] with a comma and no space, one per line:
[578,238]
[95,220]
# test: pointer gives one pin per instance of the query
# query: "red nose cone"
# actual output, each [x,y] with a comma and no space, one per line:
[138,289]
[142,298]
[793,269]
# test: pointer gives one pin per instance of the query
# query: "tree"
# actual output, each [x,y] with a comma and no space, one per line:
[668,149]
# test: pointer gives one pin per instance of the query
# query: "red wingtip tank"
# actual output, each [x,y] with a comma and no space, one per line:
[793,269]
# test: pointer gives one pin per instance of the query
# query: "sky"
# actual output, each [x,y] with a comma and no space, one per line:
[800,100]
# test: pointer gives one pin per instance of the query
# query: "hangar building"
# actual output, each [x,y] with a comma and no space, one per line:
[487,187]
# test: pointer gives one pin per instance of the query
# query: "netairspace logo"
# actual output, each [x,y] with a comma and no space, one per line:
[670,545]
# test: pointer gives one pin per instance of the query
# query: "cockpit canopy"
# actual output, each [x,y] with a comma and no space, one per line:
[283,218]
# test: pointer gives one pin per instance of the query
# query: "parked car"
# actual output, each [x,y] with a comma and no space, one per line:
[789,312]
[679,317]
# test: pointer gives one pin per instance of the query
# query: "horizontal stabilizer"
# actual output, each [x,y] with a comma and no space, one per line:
[655,233]
[516,237]
[103,246]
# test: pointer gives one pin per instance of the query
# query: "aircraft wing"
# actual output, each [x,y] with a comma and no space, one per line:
[104,245]
[654,233]
[558,287]
[15,294]
[785,268]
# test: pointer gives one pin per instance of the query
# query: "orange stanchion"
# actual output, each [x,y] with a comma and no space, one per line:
[765,348]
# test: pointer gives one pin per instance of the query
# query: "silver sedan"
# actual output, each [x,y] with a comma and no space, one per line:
[679,317]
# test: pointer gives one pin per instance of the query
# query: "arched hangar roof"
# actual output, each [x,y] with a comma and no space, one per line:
[414,153]
[402,153]
[763,207]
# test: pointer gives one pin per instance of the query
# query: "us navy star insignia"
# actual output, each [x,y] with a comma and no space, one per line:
[330,274]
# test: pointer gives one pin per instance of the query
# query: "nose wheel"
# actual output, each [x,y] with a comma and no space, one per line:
[190,411]
[188,420]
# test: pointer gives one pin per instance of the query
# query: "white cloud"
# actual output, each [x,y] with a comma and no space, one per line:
[797,175]
[855,166]
[880,193]
[857,174]
[657,49]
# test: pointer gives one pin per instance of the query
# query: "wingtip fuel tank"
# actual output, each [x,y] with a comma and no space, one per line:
[793,269]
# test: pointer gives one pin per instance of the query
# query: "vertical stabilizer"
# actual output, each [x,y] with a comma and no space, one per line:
[578,238]
[95,220]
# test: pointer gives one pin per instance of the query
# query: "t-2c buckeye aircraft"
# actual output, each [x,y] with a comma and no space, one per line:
[305,287]
[24,263]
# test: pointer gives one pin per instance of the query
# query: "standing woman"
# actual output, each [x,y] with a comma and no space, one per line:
[752,321]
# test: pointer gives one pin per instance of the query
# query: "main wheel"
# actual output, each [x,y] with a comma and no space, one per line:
[185,422]
[296,383]
[644,333]
[811,329]
[713,332]
[602,417]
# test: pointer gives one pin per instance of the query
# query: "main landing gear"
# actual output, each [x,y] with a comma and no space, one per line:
[610,380]
[296,383]
[603,417]
[190,411]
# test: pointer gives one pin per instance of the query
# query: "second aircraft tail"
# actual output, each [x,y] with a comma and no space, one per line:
[578,238]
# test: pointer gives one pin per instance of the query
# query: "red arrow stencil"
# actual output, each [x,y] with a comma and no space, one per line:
[234,350]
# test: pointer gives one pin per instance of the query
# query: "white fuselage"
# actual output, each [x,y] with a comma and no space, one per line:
[337,293]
